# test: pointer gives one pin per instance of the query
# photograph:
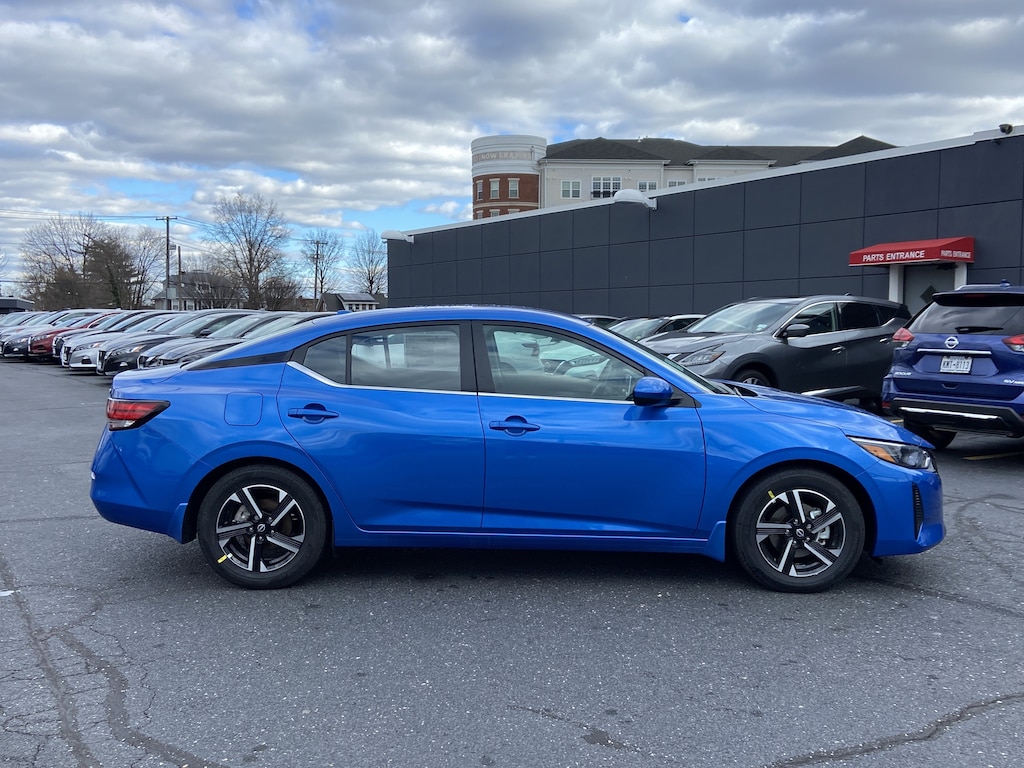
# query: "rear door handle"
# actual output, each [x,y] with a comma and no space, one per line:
[312,415]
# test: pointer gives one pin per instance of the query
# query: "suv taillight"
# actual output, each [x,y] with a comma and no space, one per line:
[1016,343]
[903,337]
[127,414]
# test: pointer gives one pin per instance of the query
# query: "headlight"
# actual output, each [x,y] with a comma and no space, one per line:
[701,356]
[126,350]
[903,454]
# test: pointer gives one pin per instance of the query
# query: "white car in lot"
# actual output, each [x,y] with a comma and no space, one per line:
[79,353]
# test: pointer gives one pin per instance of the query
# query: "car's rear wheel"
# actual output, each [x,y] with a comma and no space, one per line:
[940,438]
[798,530]
[262,527]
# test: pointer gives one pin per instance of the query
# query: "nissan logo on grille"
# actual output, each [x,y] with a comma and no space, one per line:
[952,342]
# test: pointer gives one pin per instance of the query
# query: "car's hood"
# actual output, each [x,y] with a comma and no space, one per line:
[854,421]
[688,342]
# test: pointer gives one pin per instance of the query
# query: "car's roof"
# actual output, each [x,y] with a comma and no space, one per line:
[981,295]
[1003,287]
[818,297]
[304,332]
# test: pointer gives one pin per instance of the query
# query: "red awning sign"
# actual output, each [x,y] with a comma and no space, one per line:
[915,252]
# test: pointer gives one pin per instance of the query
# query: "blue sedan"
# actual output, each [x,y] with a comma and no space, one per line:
[500,427]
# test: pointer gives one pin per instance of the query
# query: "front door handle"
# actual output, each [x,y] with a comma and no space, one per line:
[514,425]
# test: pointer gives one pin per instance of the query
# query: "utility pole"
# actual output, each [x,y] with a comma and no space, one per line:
[167,261]
[177,293]
[316,273]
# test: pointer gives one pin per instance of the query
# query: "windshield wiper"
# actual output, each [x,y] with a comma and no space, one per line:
[977,328]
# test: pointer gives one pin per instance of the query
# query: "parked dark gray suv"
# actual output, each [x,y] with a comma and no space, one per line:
[830,346]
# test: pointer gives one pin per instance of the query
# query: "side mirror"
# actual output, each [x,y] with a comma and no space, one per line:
[652,391]
[796,331]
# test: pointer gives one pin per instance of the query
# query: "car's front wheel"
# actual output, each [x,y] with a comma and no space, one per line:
[798,530]
[262,527]
[752,376]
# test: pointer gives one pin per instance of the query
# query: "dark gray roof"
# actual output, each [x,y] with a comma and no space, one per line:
[731,153]
[857,146]
[357,296]
[674,152]
[599,149]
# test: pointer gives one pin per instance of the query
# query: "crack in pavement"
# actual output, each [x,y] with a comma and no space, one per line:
[928,732]
[67,712]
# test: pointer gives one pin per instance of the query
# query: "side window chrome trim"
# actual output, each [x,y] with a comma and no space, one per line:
[508,395]
[339,385]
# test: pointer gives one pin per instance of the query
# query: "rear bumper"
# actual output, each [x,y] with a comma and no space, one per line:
[959,417]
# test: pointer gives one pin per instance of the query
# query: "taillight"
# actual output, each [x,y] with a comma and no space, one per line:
[903,337]
[1016,343]
[126,414]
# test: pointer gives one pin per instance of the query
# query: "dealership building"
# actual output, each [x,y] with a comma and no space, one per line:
[666,235]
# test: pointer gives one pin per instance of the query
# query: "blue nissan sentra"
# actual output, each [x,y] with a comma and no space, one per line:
[500,427]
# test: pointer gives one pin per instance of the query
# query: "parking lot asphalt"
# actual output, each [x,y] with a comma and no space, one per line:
[121,648]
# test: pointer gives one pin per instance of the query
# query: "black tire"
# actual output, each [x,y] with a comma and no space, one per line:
[798,530]
[752,376]
[940,438]
[262,527]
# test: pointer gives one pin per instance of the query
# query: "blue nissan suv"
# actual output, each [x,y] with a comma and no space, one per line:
[958,366]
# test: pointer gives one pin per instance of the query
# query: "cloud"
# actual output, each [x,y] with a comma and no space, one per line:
[360,115]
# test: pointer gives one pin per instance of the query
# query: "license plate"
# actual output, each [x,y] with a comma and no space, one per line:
[955,364]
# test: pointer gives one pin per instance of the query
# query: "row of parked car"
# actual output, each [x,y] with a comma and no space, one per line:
[105,341]
[958,365]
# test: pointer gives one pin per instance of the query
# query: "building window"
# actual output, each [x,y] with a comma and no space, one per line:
[707,178]
[513,189]
[571,190]
[604,186]
[479,190]
[677,184]
[495,212]
[647,186]
[495,189]
[513,210]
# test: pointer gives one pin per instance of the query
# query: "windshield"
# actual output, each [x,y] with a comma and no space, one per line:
[746,317]
[637,328]
[646,355]
[238,328]
[275,325]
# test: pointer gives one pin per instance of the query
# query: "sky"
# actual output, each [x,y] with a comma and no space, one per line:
[358,115]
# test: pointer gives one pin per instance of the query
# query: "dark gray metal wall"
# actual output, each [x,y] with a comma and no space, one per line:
[782,235]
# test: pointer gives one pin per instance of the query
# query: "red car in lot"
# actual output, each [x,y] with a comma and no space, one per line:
[15,341]
[40,345]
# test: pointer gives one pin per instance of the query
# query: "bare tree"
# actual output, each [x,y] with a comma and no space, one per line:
[368,264]
[323,252]
[147,249]
[281,291]
[121,266]
[81,262]
[249,233]
[54,255]
[4,264]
